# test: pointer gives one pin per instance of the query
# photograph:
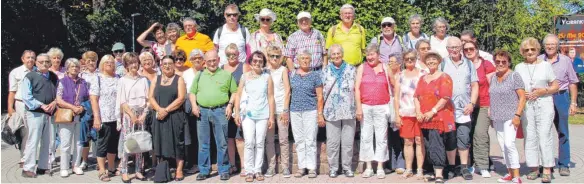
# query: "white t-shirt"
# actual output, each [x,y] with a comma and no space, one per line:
[189,77]
[537,76]
[487,56]
[439,45]
[228,37]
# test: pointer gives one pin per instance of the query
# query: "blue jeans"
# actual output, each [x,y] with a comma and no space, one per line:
[214,118]
[562,112]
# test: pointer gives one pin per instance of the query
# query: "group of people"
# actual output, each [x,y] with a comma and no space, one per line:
[414,98]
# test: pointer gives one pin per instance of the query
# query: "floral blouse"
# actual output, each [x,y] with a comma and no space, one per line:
[260,42]
[106,88]
[339,96]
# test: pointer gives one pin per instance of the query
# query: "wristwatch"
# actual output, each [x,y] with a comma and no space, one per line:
[575,104]
[434,111]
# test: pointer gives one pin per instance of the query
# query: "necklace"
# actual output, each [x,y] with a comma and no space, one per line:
[165,79]
[531,72]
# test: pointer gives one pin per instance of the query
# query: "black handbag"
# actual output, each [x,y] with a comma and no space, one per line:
[162,174]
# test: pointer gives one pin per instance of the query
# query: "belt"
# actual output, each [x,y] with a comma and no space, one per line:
[562,91]
[214,107]
[18,100]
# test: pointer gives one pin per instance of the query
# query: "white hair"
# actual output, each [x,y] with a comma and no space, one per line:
[549,36]
[416,17]
[335,46]
[71,62]
[188,19]
[347,6]
[440,20]
[55,52]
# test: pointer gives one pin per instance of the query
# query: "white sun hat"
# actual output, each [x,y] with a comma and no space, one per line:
[266,13]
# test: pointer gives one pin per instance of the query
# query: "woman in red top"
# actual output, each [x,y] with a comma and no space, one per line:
[435,112]
[480,118]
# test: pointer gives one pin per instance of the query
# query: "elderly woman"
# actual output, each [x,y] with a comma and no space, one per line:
[439,39]
[234,135]
[264,37]
[395,142]
[411,38]
[481,122]
[507,102]
[409,127]
[103,91]
[89,59]
[56,56]
[306,112]
[166,96]
[71,92]
[339,111]
[162,46]
[132,101]
[372,97]
[180,57]
[435,112]
[172,34]
[422,48]
[541,83]
[148,66]
[258,115]
[189,75]
[281,82]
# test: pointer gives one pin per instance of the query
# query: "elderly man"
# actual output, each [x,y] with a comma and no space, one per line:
[15,105]
[213,107]
[348,34]
[231,32]
[464,98]
[411,38]
[306,38]
[439,39]
[118,51]
[388,42]
[39,91]
[193,40]
[468,36]
[565,100]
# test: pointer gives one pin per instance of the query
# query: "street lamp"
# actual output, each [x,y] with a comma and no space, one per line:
[133,39]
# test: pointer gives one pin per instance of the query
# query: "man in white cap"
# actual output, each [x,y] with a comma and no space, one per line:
[118,50]
[231,32]
[349,35]
[306,38]
[391,43]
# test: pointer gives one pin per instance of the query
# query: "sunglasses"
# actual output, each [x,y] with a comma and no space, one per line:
[500,62]
[230,56]
[257,61]
[118,51]
[266,19]
[180,59]
[410,59]
[384,25]
[471,49]
[530,49]
[275,56]
[232,14]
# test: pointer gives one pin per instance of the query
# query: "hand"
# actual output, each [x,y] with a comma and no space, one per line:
[52,106]
[420,117]
[237,119]
[133,119]
[534,94]
[96,124]
[228,112]
[321,122]
[77,110]
[141,119]
[398,122]
[428,116]
[573,109]
[155,25]
[489,112]
[468,109]
[161,114]
[45,108]
[285,118]
[516,122]
[271,123]
[10,111]
[360,115]
[196,111]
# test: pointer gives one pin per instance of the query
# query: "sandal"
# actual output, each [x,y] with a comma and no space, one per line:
[242,174]
[232,170]
[113,173]
[439,180]
[259,177]
[532,175]
[249,177]
[407,174]
[420,174]
[104,177]
[546,178]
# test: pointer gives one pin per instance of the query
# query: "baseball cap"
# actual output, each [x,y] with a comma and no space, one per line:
[118,46]
[303,15]
[388,20]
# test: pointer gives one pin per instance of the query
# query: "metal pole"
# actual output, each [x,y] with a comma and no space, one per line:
[133,40]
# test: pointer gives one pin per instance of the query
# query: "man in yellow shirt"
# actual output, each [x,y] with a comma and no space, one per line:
[349,35]
[193,40]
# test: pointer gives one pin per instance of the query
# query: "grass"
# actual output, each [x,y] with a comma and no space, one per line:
[577,119]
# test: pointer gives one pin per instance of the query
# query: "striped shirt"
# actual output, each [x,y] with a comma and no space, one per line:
[299,41]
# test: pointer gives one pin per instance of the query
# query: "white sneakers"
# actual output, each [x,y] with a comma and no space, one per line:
[485,173]
[64,173]
[83,165]
[78,171]
[380,174]
[367,173]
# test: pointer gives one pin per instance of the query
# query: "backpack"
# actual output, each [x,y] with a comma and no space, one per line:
[335,29]
[407,39]
[243,31]
[399,39]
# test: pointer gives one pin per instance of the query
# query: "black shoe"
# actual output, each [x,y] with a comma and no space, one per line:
[332,174]
[224,176]
[42,171]
[466,173]
[201,177]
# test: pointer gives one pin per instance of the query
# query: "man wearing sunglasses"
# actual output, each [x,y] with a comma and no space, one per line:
[388,42]
[565,103]
[348,34]
[232,32]
[118,51]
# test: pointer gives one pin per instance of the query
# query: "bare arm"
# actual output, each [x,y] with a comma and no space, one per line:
[142,38]
[177,103]
[271,101]
[290,64]
[151,98]
[359,109]
[573,94]
[324,60]
[489,77]
[286,81]
[11,102]
[474,95]
[522,100]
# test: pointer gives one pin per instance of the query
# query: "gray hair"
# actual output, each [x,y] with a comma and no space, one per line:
[174,26]
[397,56]
[233,7]
[347,6]
[55,52]
[188,19]
[422,41]
[409,51]
[372,47]
[336,46]
[42,55]
[71,62]
[467,32]
[440,20]
[304,53]
[416,17]
[145,54]
[548,36]
[195,52]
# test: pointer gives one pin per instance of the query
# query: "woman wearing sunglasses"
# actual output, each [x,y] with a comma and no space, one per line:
[264,37]
[180,57]
[540,83]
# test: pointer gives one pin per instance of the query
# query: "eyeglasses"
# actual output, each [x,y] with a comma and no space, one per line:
[266,19]
[471,49]
[231,56]
[410,59]
[384,25]
[44,62]
[274,56]
[196,58]
[501,62]
[529,49]
[257,61]
[118,51]
[180,59]
[424,48]
[453,48]
[232,14]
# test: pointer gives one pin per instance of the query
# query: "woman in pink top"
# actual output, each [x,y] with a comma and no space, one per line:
[372,98]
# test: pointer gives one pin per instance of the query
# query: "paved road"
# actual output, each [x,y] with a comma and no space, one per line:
[11,173]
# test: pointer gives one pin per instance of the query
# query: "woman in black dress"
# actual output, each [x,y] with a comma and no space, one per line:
[166,97]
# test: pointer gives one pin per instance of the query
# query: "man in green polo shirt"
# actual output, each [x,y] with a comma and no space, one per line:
[214,106]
